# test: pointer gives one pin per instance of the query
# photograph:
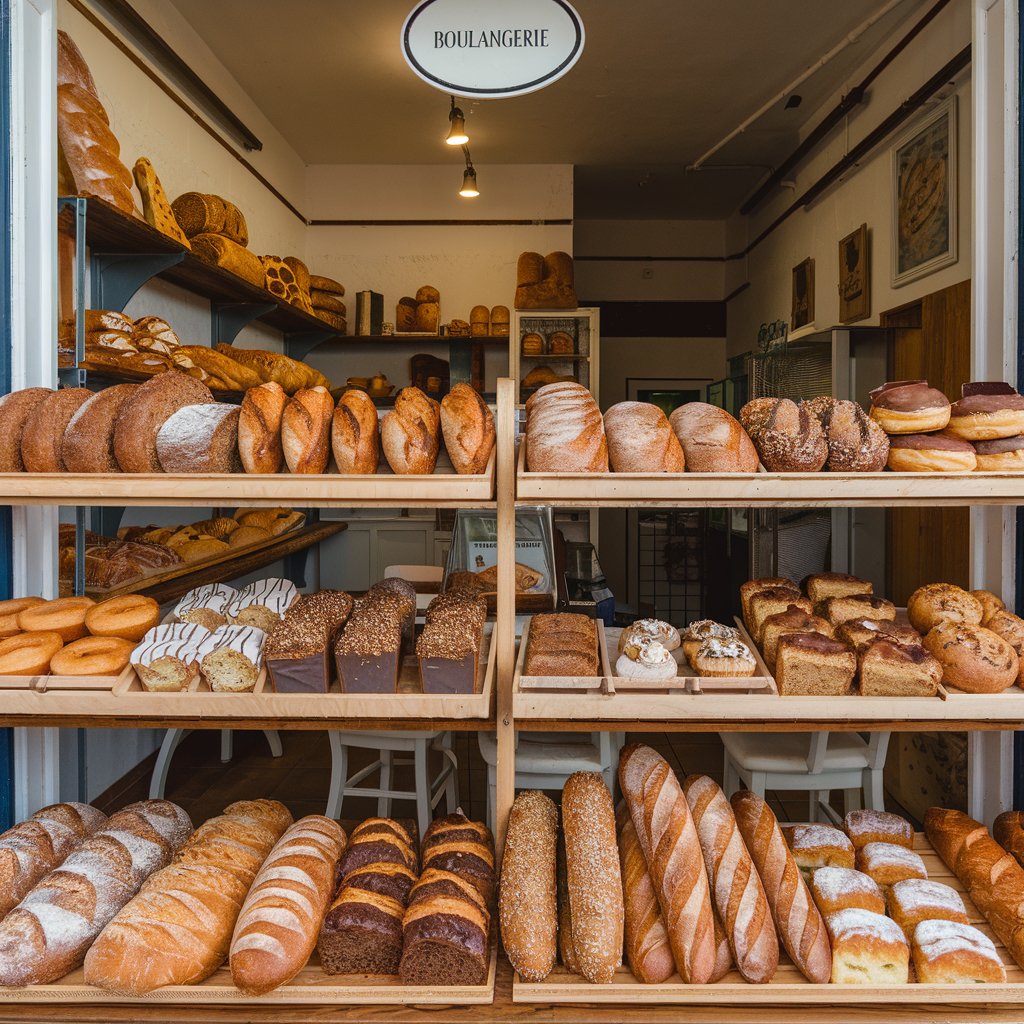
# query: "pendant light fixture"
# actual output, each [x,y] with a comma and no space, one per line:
[457,127]
[469,188]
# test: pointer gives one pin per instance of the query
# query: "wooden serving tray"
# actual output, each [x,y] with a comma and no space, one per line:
[789,987]
[310,988]
[42,684]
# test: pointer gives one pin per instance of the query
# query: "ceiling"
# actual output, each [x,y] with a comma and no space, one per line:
[659,83]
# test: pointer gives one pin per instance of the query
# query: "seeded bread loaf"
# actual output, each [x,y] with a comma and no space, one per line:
[15,410]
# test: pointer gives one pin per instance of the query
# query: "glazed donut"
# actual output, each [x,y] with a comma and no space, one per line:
[28,654]
[65,615]
[930,453]
[92,656]
[909,407]
[9,613]
[129,617]
[987,417]
[934,603]
[1000,455]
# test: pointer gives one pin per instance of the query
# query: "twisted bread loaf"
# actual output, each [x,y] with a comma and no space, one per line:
[796,917]
[671,848]
[565,431]
[735,885]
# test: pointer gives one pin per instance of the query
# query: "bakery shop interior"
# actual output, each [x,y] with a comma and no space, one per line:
[511,503]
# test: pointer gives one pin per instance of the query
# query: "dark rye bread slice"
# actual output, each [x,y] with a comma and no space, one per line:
[362,933]
[141,417]
[464,847]
[15,410]
[88,445]
[376,847]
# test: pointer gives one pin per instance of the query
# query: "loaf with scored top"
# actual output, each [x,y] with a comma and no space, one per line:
[279,922]
[410,433]
[306,430]
[641,440]
[259,428]
[467,425]
[355,436]
[565,431]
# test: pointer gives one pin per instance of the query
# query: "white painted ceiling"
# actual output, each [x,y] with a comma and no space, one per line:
[659,83]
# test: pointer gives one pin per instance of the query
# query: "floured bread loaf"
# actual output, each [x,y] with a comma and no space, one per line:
[200,439]
[565,431]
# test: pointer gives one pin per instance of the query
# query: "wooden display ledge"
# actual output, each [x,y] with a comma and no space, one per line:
[789,986]
[754,705]
[764,490]
[443,488]
[122,702]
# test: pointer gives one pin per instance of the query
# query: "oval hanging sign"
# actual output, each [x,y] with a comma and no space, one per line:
[487,48]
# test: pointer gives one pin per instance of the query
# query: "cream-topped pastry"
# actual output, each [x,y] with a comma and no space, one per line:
[651,660]
[650,629]
[723,659]
[706,629]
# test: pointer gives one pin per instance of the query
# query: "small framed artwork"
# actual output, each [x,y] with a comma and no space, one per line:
[803,294]
[854,276]
[924,199]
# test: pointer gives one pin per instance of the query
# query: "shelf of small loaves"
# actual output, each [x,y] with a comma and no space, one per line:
[692,703]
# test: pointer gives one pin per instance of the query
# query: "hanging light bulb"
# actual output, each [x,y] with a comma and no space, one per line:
[457,130]
[469,189]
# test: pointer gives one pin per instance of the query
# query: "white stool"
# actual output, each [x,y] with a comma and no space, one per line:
[544,760]
[418,574]
[428,792]
[817,762]
[172,737]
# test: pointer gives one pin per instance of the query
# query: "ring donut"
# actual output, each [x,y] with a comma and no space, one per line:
[65,615]
[28,654]
[9,613]
[92,656]
[129,617]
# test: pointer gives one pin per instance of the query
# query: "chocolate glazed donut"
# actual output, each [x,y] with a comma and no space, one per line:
[909,407]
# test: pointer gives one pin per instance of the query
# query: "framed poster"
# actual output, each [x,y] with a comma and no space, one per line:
[854,276]
[803,294]
[924,200]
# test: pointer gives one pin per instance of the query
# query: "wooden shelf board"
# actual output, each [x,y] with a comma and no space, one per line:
[428,339]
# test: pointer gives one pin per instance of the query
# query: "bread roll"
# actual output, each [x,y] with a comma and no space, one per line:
[973,659]
[325,284]
[280,919]
[15,409]
[306,430]
[410,433]
[527,899]
[565,431]
[427,316]
[354,433]
[671,848]
[593,875]
[468,428]
[712,441]
[934,603]
[259,428]
[640,440]
[43,435]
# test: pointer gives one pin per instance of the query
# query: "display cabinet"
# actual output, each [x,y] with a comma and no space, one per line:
[566,343]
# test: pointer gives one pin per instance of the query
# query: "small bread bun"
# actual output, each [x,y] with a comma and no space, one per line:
[65,615]
[942,602]
[909,407]
[1009,626]
[1002,455]
[93,656]
[9,613]
[990,603]
[973,659]
[28,654]
[931,453]
[986,417]
[129,617]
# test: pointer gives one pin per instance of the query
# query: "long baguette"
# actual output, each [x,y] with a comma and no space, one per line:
[278,926]
[735,886]
[796,917]
[671,848]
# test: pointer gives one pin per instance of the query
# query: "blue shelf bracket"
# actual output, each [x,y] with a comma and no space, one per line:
[298,344]
[228,318]
[116,277]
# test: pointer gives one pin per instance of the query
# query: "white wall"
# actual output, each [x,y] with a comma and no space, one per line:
[863,196]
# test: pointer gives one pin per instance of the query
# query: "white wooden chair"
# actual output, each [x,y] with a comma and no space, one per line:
[816,762]
[172,737]
[546,760]
[427,793]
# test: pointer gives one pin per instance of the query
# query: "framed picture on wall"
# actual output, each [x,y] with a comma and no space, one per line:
[924,199]
[803,294]
[854,276]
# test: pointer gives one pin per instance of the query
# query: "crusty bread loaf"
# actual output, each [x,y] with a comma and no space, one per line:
[15,409]
[640,440]
[949,831]
[671,848]
[1008,830]
[799,923]
[787,436]
[280,919]
[280,280]
[200,439]
[216,369]
[302,276]
[155,206]
[43,435]
[468,428]
[735,886]
[222,252]
[565,431]
[259,428]
[143,414]
[354,433]
[200,214]
[528,898]
[410,432]
[306,430]
[39,844]
[290,373]
[712,440]
[88,443]
[325,284]
[48,933]
[328,301]
[177,930]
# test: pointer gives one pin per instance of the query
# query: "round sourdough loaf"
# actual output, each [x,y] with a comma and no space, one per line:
[564,431]
[712,440]
[15,410]
[200,439]
[467,425]
[973,659]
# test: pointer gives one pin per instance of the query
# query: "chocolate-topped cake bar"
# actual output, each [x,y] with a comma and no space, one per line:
[448,649]
[297,651]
